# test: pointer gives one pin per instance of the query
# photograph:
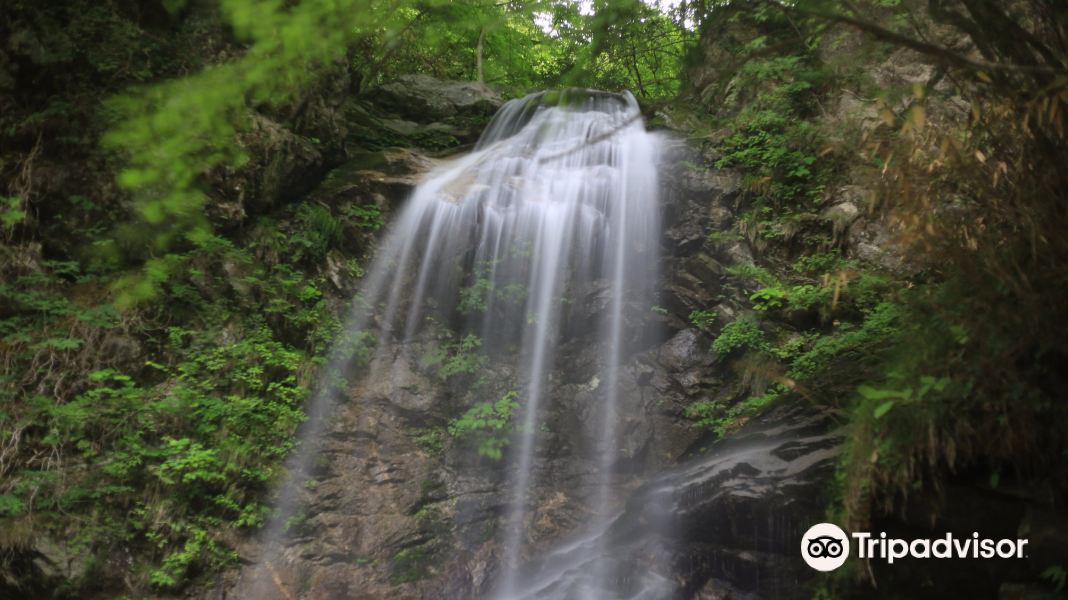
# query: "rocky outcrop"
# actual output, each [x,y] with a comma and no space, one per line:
[289,157]
[421,111]
[424,98]
[723,524]
[283,165]
[700,201]
[746,503]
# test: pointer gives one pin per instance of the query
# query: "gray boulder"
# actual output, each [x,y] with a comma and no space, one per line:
[423,98]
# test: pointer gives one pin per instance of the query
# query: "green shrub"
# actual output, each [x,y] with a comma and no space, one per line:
[818,263]
[488,424]
[706,413]
[713,415]
[411,564]
[476,297]
[11,212]
[457,358]
[719,238]
[751,271]
[739,335]
[769,298]
[703,319]
[364,216]
[773,144]
[317,231]
[430,440]
[877,330]
[473,297]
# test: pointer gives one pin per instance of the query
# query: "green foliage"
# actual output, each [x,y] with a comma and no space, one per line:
[707,414]
[743,334]
[631,46]
[489,424]
[164,462]
[818,263]
[797,297]
[754,405]
[11,212]
[457,358]
[765,119]
[888,398]
[751,271]
[843,287]
[173,133]
[478,296]
[812,359]
[411,564]
[769,298]
[169,457]
[723,237]
[364,216]
[721,419]
[11,506]
[317,231]
[430,440]
[473,297]
[1057,576]
[703,319]
[773,144]
[808,296]
[866,290]
[878,329]
[793,346]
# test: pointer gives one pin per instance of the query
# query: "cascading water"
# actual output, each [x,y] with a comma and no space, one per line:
[588,211]
[561,192]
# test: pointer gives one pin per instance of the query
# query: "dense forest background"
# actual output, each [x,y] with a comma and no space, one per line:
[169,288]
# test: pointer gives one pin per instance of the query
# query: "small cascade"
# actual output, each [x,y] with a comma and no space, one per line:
[560,193]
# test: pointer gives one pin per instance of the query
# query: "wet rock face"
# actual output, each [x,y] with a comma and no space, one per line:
[385,178]
[725,524]
[699,201]
[389,510]
[746,503]
[684,351]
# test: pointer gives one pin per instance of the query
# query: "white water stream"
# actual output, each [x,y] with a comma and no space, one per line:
[560,192]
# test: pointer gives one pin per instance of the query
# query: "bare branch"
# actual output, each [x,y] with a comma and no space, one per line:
[592,141]
[923,47]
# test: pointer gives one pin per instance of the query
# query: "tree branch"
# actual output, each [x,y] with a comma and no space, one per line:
[927,48]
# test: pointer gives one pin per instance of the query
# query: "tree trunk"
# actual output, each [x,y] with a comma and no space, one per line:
[478,55]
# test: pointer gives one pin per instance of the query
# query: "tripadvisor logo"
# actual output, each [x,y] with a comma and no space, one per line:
[825,547]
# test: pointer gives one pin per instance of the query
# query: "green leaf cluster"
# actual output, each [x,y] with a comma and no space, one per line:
[703,319]
[488,424]
[743,334]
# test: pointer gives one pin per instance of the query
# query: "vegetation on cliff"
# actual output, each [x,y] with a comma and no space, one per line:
[944,357]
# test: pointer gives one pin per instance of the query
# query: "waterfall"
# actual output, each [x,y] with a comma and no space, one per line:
[559,194]
[588,208]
